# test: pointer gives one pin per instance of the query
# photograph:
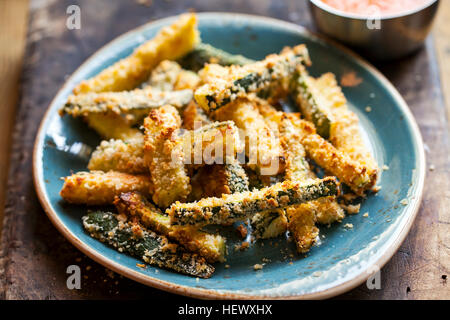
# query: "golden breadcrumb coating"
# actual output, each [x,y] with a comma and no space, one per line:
[164,156]
[302,226]
[193,116]
[100,188]
[344,129]
[170,43]
[134,205]
[118,155]
[262,145]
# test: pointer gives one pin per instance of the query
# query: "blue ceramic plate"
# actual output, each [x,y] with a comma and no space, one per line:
[344,258]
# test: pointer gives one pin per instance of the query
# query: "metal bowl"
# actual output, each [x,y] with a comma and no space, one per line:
[384,37]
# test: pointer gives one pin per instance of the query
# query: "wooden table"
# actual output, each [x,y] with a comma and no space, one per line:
[34,256]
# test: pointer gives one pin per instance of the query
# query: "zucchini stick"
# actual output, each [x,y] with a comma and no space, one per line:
[194,117]
[170,43]
[134,205]
[111,126]
[164,156]
[118,155]
[344,131]
[132,105]
[302,226]
[262,144]
[272,74]
[327,209]
[100,188]
[240,206]
[216,142]
[204,53]
[269,224]
[309,107]
[216,180]
[132,238]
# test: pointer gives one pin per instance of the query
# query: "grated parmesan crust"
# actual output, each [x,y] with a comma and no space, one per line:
[165,157]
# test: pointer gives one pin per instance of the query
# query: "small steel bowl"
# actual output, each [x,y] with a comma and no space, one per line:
[385,37]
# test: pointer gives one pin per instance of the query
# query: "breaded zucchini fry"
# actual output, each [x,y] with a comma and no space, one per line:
[269,224]
[100,188]
[165,157]
[344,129]
[306,99]
[271,75]
[187,80]
[204,53]
[302,226]
[164,76]
[327,210]
[338,164]
[169,75]
[216,180]
[133,105]
[111,126]
[169,44]
[213,143]
[194,116]
[262,144]
[118,155]
[134,205]
[132,238]
[240,206]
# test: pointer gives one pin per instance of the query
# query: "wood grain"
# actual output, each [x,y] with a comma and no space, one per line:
[442,42]
[35,256]
[13,22]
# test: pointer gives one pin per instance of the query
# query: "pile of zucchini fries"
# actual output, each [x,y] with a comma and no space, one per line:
[172,90]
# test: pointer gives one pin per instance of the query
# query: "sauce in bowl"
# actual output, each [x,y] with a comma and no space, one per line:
[382,7]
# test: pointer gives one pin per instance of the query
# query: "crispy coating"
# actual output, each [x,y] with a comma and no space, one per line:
[262,145]
[217,142]
[111,126]
[217,179]
[338,164]
[118,155]
[194,117]
[327,210]
[344,129]
[272,75]
[170,43]
[164,156]
[100,188]
[302,226]
[164,76]
[134,205]
[133,105]
[269,224]
[240,206]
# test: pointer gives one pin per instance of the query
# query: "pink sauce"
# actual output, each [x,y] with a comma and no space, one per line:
[367,7]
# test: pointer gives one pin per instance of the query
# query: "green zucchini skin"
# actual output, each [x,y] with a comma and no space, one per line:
[206,53]
[146,245]
[135,105]
[241,206]
[237,179]
[270,77]
[308,105]
[269,224]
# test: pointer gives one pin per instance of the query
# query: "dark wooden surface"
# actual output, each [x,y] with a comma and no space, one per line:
[34,256]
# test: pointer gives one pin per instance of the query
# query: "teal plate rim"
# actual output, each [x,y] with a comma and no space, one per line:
[410,209]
